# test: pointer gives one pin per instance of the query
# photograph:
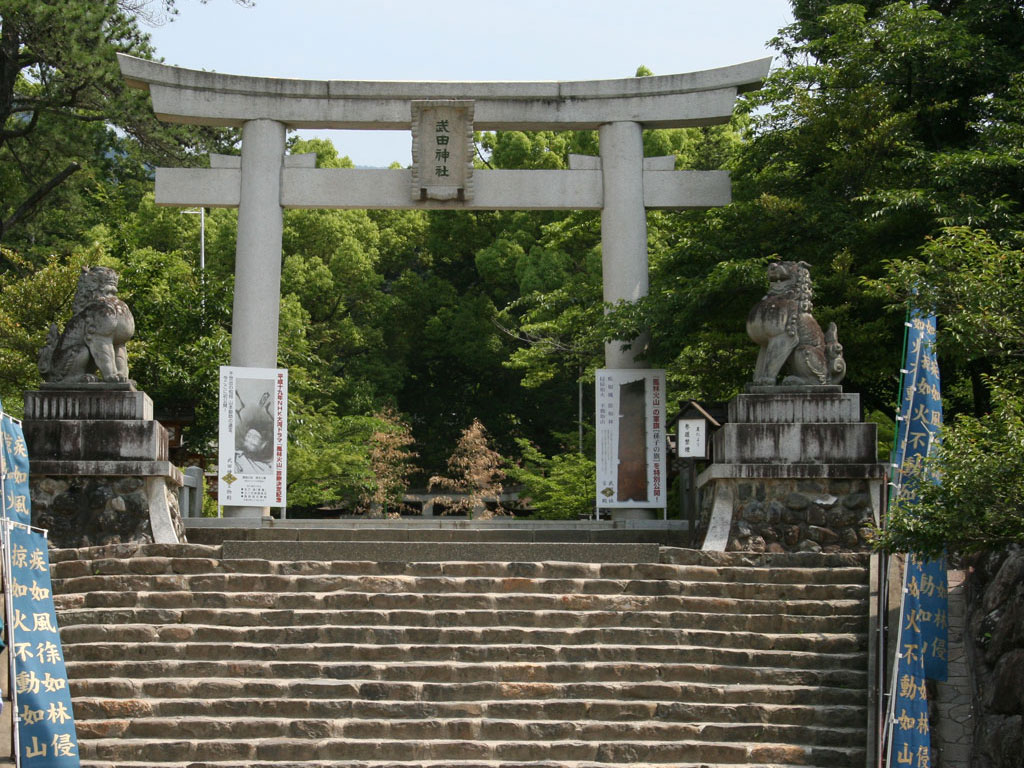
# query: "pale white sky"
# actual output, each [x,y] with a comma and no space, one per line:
[460,40]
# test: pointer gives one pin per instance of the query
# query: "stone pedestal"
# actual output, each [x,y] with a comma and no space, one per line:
[99,469]
[795,470]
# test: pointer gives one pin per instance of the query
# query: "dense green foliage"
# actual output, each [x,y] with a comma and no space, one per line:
[556,487]
[976,285]
[886,150]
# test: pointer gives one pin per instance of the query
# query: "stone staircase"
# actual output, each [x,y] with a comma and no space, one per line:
[181,656]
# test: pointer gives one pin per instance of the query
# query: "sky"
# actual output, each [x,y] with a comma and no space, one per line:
[525,40]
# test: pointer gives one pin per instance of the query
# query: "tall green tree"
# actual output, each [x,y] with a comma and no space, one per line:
[869,137]
[969,493]
[72,134]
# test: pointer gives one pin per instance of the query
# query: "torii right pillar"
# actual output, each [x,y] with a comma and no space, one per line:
[624,270]
[623,228]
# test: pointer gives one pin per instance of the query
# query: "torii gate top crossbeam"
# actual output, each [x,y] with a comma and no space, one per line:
[665,101]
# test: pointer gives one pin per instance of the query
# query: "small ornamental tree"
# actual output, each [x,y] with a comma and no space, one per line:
[558,488]
[391,460]
[474,472]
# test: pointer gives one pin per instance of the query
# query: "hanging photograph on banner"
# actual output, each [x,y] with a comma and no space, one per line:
[253,457]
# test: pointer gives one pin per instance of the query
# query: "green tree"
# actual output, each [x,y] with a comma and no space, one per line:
[876,130]
[73,136]
[970,491]
[559,487]
[28,297]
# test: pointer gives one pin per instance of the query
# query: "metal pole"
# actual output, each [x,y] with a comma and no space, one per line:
[202,243]
[579,406]
[5,532]
[5,573]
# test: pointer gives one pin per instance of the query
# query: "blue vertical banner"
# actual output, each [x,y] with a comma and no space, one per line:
[911,739]
[924,617]
[46,725]
[920,417]
[927,578]
[45,734]
[14,461]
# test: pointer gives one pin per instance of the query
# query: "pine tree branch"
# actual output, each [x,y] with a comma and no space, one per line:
[23,210]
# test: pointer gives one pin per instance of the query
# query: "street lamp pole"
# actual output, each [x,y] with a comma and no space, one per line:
[202,238]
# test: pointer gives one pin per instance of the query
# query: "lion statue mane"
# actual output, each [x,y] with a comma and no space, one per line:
[95,336]
[790,338]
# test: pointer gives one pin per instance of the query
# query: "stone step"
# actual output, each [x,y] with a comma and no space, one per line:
[477,653]
[769,560]
[766,622]
[670,583]
[87,708]
[468,672]
[462,729]
[621,752]
[130,551]
[454,602]
[511,637]
[416,764]
[853,574]
[186,656]
[402,531]
[677,555]
[407,764]
[700,692]
[430,551]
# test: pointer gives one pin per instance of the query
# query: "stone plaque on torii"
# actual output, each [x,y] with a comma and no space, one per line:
[621,182]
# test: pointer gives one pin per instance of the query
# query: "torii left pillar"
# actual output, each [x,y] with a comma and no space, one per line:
[258,257]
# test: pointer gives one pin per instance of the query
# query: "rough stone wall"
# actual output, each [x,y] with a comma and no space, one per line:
[93,511]
[797,515]
[996,628]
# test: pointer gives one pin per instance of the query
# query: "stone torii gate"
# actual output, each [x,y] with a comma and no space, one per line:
[441,116]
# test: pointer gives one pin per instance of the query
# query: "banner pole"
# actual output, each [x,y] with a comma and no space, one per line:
[5,574]
[5,531]
[890,710]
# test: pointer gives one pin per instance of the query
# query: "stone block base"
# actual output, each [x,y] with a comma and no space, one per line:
[773,514]
[795,470]
[81,510]
[98,468]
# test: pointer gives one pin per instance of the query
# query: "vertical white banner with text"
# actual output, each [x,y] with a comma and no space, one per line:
[631,467]
[253,457]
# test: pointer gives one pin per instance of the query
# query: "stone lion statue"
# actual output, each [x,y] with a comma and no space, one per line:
[790,337]
[94,337]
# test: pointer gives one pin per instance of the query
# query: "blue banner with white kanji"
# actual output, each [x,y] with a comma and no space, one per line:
[46,724]
[14,465]
[926,584]
[919,422]
[45,735]
[924,618]
[920,417]
[911,740]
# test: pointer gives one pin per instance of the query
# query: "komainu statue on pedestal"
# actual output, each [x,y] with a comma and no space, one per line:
[790,337]
[94,337]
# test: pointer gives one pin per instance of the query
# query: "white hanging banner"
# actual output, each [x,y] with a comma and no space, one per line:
[253,456]
[631,469]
